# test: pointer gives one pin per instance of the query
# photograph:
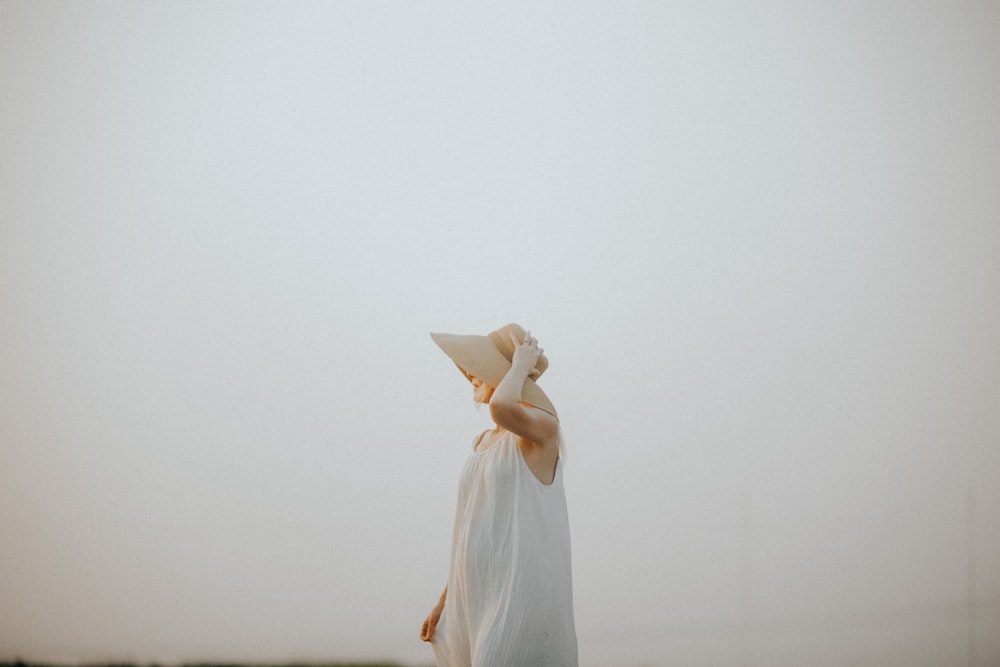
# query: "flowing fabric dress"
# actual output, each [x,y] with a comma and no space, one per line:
[510,590]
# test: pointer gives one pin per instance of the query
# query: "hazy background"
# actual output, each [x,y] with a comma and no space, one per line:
[760,244]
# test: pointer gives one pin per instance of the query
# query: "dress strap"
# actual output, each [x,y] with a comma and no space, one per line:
[479,439]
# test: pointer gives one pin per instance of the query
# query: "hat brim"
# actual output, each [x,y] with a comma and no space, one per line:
[478,356]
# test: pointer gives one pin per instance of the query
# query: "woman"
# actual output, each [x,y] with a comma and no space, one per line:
[509,598]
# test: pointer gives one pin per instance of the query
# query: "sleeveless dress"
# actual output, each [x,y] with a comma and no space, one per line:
[510,591]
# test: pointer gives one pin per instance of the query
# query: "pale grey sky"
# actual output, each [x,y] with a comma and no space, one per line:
[760,243]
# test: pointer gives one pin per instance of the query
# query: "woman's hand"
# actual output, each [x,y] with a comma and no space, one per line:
[430,624]
[527,353]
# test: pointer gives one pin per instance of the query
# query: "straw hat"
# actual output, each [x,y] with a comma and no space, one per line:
[489,358]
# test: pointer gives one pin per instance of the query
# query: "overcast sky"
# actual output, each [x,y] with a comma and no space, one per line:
[760,244]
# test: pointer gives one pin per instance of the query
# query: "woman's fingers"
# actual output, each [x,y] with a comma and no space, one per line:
[528,340]
[427,632]
[528,348]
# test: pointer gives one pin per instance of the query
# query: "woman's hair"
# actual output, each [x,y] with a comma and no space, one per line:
[483,393]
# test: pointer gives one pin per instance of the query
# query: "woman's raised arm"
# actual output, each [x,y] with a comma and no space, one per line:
[506,409]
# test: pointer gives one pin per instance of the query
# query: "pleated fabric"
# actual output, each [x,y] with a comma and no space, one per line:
[510,589]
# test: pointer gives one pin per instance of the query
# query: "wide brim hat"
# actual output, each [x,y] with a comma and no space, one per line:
[489,358]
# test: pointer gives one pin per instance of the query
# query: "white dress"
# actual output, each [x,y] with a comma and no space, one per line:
[510,590]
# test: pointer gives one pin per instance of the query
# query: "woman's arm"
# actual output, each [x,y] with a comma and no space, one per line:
[430,623]
[506,409]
